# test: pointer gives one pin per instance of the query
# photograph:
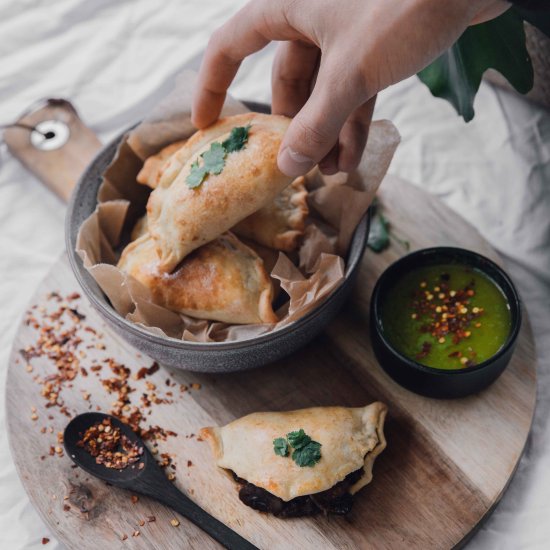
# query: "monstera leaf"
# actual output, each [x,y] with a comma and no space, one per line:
[498,44]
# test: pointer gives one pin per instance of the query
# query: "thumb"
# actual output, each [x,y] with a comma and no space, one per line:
[314,130]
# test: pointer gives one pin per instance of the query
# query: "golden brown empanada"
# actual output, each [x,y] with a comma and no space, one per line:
[223,280]
[278,225]
[140,228]
[350,438]
[182,219]
[152,168]
[281,223]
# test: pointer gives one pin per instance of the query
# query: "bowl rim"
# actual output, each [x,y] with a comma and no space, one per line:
[462,253]
[361,232]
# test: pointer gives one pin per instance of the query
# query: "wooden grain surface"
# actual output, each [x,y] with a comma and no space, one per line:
[446,465]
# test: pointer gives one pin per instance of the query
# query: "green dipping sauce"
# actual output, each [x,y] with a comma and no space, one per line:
[447,316]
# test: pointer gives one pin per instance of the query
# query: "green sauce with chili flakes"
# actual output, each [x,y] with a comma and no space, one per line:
[447,316]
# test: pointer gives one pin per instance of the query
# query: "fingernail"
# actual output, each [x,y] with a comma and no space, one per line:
[294,164]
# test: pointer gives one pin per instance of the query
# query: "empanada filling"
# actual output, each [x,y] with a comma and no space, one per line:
[336,500]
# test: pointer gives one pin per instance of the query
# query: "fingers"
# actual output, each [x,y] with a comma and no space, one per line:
[248,31]
[353,136]
[293,71]
[490,11]
[346,155]
[329,164]
[315,129]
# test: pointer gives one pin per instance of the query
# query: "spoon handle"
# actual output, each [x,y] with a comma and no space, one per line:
[175,499]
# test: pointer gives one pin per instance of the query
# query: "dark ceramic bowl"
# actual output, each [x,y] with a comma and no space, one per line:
[430,381]
[193,356]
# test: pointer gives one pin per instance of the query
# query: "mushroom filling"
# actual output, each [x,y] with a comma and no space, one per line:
[336,500]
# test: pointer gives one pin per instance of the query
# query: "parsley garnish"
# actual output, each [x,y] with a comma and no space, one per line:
[306,451]
[214,158]
[196,176]
[280,446]
[298,439]
[308,455]
[237,139]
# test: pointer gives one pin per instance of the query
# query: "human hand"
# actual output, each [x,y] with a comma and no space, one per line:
[336,55]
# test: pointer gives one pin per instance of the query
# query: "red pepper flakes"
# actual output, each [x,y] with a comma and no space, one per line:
[445,314]
[102,440]
[426,348]
[59,342]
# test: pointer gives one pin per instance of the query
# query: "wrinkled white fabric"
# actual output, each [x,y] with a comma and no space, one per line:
[114,60]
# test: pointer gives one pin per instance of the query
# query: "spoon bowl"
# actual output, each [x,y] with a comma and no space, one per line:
[80,456]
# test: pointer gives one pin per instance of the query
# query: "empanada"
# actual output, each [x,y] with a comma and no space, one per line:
[140,228]
[182,219]
[223,280]
[281,223]
[152,168]
[350,439]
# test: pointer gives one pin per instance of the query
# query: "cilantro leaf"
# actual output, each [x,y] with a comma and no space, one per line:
[379,234]
[306,451]
[214,158]
[196,175]
[298,439]
[280,446]
[237,139]
[307,455]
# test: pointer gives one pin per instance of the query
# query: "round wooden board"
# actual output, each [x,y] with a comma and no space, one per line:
[446,465]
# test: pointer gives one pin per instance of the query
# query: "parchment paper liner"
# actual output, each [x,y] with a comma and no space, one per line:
[337,203]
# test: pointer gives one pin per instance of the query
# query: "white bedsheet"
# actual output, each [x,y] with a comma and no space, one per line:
[114,60]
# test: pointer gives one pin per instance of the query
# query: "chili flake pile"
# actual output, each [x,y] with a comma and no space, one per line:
[109,447]
[447,315]
[67,347]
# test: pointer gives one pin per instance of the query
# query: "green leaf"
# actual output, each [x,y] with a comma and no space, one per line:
[280,446]
[237,139]
[196,175]
[499,44]
[298,439]
[308,455]
[214,158]
[379,233]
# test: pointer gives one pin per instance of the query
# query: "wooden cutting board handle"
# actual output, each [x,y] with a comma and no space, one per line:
[59,158]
